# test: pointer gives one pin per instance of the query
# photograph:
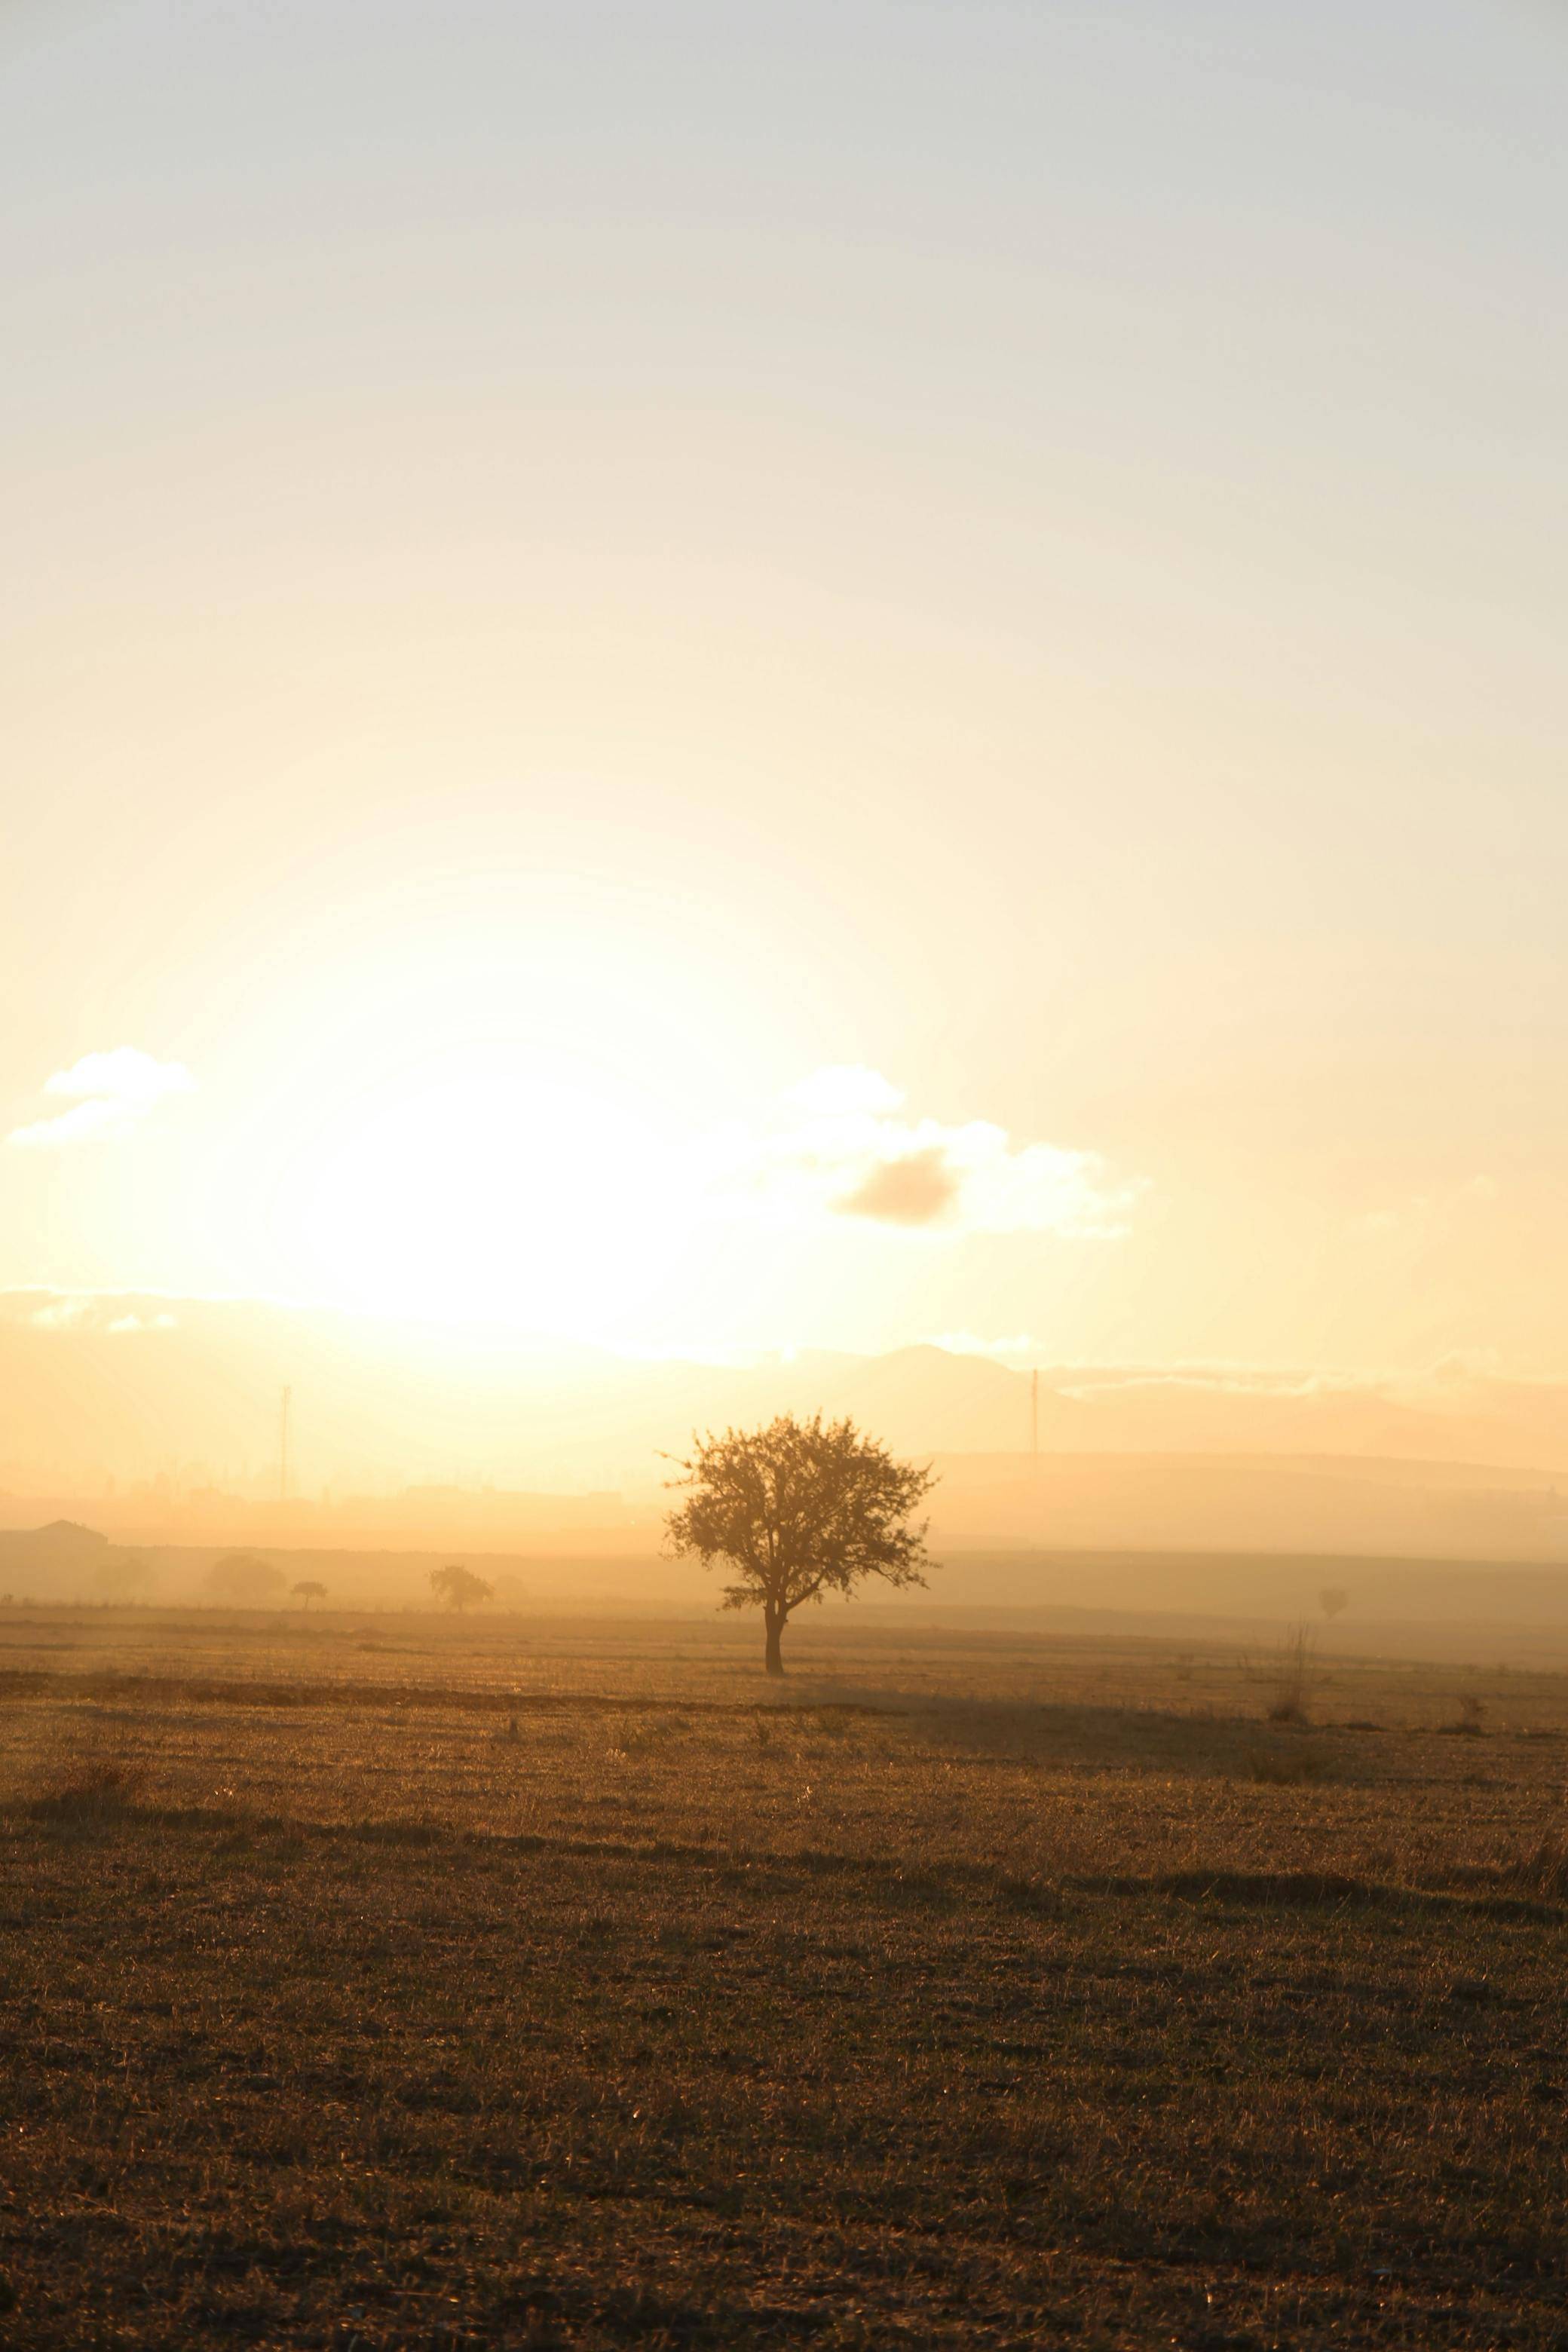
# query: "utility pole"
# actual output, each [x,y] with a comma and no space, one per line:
[284,1403]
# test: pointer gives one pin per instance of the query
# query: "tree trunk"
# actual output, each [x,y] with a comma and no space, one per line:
[774,1660]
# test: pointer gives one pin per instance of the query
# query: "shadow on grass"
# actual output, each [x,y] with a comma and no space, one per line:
[1519,1888]
[1142,1738]
[43,1682]
[98,1793]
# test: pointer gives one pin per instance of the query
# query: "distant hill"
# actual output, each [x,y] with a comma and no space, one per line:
[1225,1503]
[175,1395]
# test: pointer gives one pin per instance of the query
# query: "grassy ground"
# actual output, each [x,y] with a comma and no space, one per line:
[401,1983]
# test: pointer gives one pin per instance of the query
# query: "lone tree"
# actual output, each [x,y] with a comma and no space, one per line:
[306,1591]
[457,1587]
[798,1510]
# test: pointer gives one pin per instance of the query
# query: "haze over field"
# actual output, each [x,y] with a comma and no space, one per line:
[162,1416]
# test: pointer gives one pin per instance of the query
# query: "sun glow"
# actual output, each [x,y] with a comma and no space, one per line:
[523,1194]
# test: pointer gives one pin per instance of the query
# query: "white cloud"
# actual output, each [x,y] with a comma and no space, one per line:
[113,1093]
[60,1314]
[85,1122]
[92,1311]
[124,1074]
[851,1155]
[969,1343]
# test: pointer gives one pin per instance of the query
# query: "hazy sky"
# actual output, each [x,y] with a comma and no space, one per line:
[571,568]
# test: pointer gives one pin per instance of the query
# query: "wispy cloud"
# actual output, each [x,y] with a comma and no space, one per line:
[843,1146]
[97,1312]
[60,1314]
[969,1343]
[85,1313]
[85,1122]
[111,1093]
[1422,1216]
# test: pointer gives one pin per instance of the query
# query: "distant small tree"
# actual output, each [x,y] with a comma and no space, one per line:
[244,1580]
[306,1591]
[459,1587]
[1295,1674]
[798,1510]
[1332,1598]
[121,1577]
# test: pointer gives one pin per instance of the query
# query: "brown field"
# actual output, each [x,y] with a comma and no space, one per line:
[398,1981]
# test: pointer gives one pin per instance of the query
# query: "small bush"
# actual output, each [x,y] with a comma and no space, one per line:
[1293,1677]
[1468,1724]
[244,1580]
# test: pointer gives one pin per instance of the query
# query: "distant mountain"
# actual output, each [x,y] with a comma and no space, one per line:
[920,1400]
[139,1388]
[1230,1503]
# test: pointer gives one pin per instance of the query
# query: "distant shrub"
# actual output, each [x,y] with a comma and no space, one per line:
[458,1588]
[121,1577]
[1468,1723]
[1293,1677]
[244,1580]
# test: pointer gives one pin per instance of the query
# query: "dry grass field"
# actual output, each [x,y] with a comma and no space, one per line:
[410,1982]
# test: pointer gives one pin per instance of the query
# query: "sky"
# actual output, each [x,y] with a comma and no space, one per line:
[817,675]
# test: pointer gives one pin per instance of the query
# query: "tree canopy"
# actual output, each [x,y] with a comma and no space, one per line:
[246,1580]
[458,1587]
[798,1510]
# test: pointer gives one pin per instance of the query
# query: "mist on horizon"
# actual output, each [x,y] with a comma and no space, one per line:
[158,1420]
